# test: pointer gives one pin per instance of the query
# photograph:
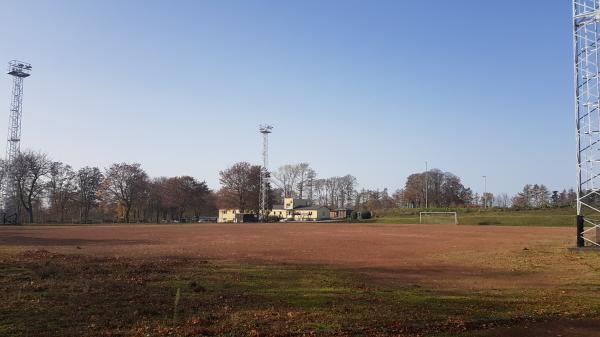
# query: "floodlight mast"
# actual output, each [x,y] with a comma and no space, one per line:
[18,70]
[586,54]
[265,130]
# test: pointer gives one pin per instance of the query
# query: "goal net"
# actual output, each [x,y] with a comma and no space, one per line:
[438,218]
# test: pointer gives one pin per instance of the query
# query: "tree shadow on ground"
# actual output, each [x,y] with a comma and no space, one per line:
[19,240]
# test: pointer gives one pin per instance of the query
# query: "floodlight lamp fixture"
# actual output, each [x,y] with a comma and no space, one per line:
[19,69]
[264,128]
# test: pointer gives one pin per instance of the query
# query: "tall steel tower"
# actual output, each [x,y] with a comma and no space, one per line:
[586,52]
[264,177]
[19,71]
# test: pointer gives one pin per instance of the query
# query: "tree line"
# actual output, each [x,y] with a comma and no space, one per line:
[445,190]
[52,191]
[301,181]
[240,187]
[538,196]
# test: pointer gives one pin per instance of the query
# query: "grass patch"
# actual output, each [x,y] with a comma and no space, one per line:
[46,294]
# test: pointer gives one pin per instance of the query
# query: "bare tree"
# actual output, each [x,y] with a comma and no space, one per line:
[319,192]
[311,176]
[502,200]
[305,174]
[89,180]
[3,170]
[241,187]
[331,189]
[29,169]
[126,184]
[156,198]
[185,194]
[61,188]
[373,200]
[398,197]
[347,185]
[286,178]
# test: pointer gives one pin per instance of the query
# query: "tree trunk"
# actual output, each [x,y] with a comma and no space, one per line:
[127,210]
[86,213]
[30,213]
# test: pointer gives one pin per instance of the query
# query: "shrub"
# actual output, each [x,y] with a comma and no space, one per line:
[273,218]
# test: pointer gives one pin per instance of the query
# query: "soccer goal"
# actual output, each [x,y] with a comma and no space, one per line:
[438,217]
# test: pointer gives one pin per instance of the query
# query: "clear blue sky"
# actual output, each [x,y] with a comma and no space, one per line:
[370,88]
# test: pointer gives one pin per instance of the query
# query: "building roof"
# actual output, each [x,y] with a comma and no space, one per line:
[280,207]
[310,207]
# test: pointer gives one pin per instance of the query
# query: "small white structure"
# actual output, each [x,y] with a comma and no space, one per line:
[449,215]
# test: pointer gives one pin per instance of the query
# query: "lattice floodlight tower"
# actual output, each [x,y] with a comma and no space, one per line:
[265,130]
[19,71]
[586,52]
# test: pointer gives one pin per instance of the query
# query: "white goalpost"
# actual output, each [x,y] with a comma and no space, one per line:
[451,216]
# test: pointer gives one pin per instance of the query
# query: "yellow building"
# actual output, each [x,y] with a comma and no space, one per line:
[235,215]
[227,215]
[292,209]
[299,210]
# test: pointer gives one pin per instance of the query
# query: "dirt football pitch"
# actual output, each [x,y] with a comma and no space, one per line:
[296,279]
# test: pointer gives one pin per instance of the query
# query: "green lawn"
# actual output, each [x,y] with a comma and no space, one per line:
[559,217]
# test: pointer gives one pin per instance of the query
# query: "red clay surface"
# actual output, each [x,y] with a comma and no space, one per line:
[420,253]
[444,256]
[345,244]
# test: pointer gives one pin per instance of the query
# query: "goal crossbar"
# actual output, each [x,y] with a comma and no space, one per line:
[440,213]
